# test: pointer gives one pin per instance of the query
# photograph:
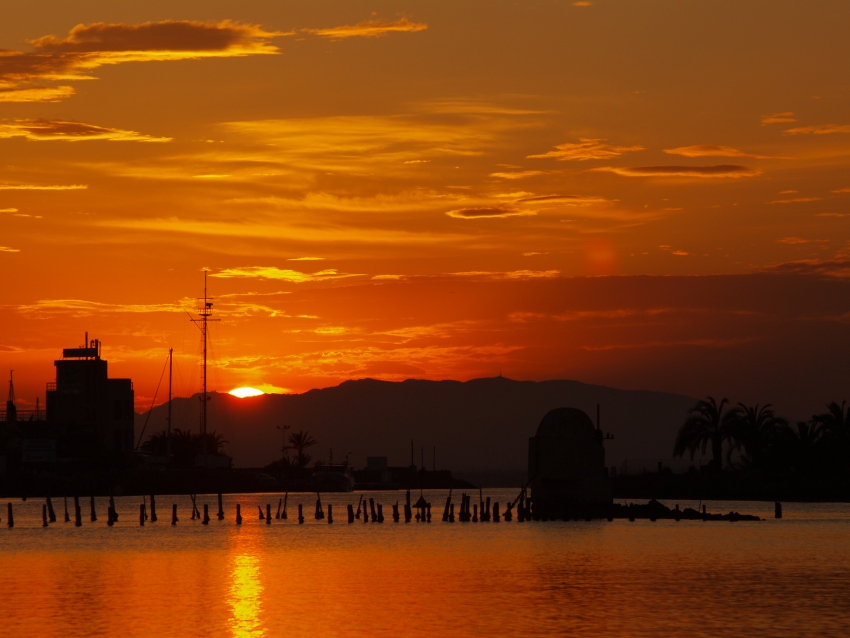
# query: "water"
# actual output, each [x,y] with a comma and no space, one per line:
[788,577]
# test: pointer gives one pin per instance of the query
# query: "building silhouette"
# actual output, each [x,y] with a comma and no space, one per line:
[84,398]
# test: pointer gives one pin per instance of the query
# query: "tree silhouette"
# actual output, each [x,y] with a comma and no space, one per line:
[705,425]
[835,431]
[300,441]
[185,445]
[754,431]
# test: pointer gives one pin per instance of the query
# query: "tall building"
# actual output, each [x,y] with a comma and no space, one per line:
[84,397]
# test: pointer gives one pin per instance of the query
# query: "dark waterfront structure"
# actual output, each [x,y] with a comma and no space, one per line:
[84,398]
[566,465]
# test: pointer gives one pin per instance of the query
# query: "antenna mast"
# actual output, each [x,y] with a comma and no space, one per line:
[205,312]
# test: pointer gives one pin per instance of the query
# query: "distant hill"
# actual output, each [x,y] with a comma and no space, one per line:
[477,426]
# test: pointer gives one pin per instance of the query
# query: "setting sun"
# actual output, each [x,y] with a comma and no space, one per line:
[246,392]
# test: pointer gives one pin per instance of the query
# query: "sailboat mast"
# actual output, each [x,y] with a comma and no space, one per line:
[168,434]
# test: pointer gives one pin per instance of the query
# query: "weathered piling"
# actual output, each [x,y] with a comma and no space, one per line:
[408,514]
[283,513]
[451,513]
[112,507]
[359,503]
[372,511]
[78,517]
[153,509]
[44,515]
[485,515]
[194,507]
[277,513]
[446,508]
[350,509]
[10,517]
[330,514]
[395,512]
[238,514]
[380,513]
[206,520]
[300,515]
[174,518]
[777,510]
[508,514]
[220,507]
[496,518]
[677,514]
[268,514]
[67,517]
[428,509]
[51,515]
[110,516]
[320,513]
[142,515]
[475,512]
[365,514]
[262,516]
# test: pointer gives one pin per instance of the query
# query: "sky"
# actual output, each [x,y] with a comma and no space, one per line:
[650,194]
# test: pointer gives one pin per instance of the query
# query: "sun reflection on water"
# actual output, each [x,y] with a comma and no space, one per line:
[245,596]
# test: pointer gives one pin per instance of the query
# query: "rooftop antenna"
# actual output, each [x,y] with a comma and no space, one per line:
[204,313]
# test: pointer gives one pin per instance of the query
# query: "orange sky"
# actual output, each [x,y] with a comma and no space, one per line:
[650,195]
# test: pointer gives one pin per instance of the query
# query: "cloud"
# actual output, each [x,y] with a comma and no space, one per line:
[369,29]
[794,241]
[842,190]
[83,307]
[721,170]
[71,132]
[820,129]
[513,274]
[708,150]
[306,259]
[271,272]
[778,118]
[6,249]
[485,213]
[8,210]
[839,268]
[43,187]
[586,149]
[796,200]
[23,74]
[568,200]
[519,174]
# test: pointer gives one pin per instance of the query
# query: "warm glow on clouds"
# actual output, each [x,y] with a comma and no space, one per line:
[71,132]
[270,272]
[587,149]
[821,129]
[707,150]
[484,213]
[369,29]
[722,170]
[42,187]
[778,118]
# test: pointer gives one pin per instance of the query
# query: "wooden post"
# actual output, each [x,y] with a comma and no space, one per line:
[330,514]
[67,517]
[10,518]
[277,514]
[508,513]
[429,512]
[268,513]
[238,514]
[114,511]
[451,513]
[174,518]
[262,516]
[44,515]
[350,509]
[153,509]
[283,513]
[475,512]
[206,520]
[110,520]
[359,503]
[78,518]
[496,518]
[220,507]
[446,508]
[677,513]
[777,510]
[408,514]
[300,515]
[486,516]
[51,515]
[380,514]
[142,514]
[194,507]
[372,511]
[320,513]
[395,512]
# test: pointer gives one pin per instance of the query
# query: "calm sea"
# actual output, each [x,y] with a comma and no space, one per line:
[788,577]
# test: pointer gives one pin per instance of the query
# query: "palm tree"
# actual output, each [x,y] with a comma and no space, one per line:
[754,431]
[835,431]
[300,441]
[706,424]
[798,448]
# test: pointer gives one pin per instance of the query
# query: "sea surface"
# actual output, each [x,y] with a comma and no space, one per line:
[788,577]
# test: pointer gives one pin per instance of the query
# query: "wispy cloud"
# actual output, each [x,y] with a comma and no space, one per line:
[796,200]
[512,274]
[6,249]
[708,150]
[43,187]
[306,259]
[71,132]
[794,241]
[778,118]
[839,267]
[23,74]
[82,307]
[721,170]
[369,29]
[518,174]
[271,272]
[586,149]
[567,200]
[819,129]
[842,190]
[487,213]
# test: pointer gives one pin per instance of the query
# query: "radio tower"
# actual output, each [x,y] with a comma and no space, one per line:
[204,313]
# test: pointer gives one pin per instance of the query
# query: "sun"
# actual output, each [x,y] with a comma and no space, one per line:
[246,392]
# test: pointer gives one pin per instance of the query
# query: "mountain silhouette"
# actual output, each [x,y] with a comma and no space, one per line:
[477,426]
